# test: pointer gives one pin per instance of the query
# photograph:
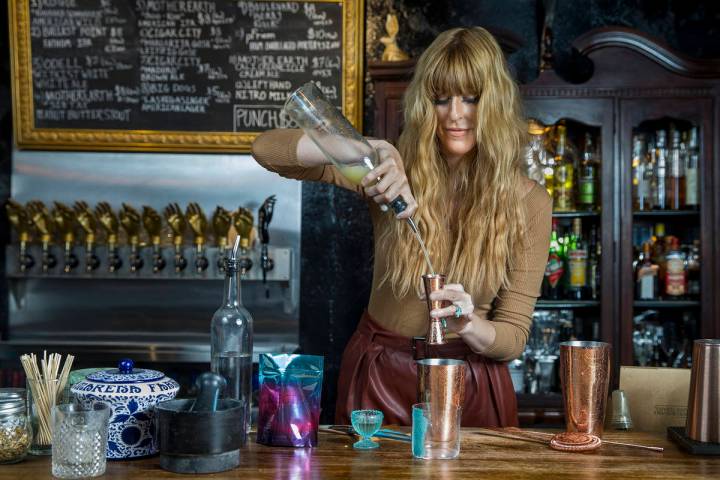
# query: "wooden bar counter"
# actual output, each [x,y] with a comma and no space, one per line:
[481,457]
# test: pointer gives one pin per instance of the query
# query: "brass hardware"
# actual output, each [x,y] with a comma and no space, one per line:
[130,221]
[20,220]
[176,221]
[65,221]
[86,220]
[221,221]
[198,224]
[153,225]
[45,225]
[108,220]
[243,222]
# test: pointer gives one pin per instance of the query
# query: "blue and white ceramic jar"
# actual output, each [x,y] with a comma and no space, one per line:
[132,394]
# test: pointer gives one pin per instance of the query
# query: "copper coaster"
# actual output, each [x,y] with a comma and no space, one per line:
[575,442]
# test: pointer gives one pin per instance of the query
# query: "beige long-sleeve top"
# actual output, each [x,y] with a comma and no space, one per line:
[509,309]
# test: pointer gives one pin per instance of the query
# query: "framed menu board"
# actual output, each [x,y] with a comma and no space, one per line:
[175,75]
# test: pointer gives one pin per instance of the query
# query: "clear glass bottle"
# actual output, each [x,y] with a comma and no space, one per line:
[231,338]
[646,276]
[692,180]
[536,157]
[661,170]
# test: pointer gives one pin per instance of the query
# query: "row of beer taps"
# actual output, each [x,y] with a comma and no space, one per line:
[35,222]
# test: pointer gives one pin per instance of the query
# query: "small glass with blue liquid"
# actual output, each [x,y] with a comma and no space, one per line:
[366,423]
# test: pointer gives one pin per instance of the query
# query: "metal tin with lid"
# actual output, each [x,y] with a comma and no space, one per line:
[132,393]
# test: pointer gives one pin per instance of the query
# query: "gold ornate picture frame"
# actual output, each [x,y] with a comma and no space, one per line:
[28,136]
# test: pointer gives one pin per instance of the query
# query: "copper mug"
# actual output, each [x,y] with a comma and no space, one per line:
[441,383]
[585,379]
[703,419]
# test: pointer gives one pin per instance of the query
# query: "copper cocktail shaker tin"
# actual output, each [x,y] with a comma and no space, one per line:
[441,383]
[703,419]
[585,378]
[436,333]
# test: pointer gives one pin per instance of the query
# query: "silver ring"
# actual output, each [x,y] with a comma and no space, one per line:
[458,311]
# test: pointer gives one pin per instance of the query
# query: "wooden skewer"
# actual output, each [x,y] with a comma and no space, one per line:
[527,434]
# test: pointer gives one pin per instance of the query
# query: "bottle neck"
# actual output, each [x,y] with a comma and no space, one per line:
[231,293]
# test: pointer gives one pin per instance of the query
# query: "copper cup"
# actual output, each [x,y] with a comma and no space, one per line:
[441,383]
[585,378]
[436,333]
[703,419]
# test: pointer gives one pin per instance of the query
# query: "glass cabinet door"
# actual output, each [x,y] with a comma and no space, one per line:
[666,237]
[570,153]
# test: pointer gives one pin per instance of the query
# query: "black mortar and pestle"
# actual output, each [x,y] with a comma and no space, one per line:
[202,435]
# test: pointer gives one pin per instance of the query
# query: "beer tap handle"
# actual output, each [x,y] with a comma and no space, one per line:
[265,215]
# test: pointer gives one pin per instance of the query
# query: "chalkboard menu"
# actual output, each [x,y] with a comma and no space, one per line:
[175,75]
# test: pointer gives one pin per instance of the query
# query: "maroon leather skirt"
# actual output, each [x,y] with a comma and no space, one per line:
[378,371]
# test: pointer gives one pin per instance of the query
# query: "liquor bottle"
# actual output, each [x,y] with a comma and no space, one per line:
[536,156]
[577,256]
[555,268]
[660,200]
[646,276]
[564,173]
[594,264]
[693,270]
[676,174]
[641,175]
[692,182]
[231,339]
[675,271]
[588,176]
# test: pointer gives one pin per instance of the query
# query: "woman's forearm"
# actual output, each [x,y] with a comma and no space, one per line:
[308,154]
[478,333]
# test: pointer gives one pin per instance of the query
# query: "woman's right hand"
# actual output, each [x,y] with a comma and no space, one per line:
[393,181]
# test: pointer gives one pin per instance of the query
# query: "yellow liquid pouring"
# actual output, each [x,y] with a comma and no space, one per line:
[354,173]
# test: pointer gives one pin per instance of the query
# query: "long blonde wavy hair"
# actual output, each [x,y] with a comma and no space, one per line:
[476,248]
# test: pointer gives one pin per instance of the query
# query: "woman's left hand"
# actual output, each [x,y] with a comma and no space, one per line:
[457,314]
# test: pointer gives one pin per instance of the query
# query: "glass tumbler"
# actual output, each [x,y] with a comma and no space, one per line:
[80,437]
[431,424]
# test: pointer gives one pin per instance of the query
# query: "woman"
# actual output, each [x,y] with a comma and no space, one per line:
[458,166]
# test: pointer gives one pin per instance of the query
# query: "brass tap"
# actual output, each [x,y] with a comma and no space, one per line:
[85,218]
[176,221]
[130,221]
[153,225]
[108,220]
[45,225]
[198,224]
[20,220]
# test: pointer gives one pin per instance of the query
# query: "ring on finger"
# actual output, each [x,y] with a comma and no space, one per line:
[458,311]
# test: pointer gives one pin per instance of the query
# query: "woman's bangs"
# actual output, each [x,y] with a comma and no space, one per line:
[453,75]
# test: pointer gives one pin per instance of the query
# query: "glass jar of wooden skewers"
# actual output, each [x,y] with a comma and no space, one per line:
[45,389]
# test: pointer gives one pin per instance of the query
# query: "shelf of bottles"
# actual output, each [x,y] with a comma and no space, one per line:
[666,245]
[565,158]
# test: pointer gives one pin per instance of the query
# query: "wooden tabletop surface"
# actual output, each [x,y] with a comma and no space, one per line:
[482,456]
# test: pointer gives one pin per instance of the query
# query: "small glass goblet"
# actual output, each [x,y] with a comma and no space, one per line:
[366,423]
